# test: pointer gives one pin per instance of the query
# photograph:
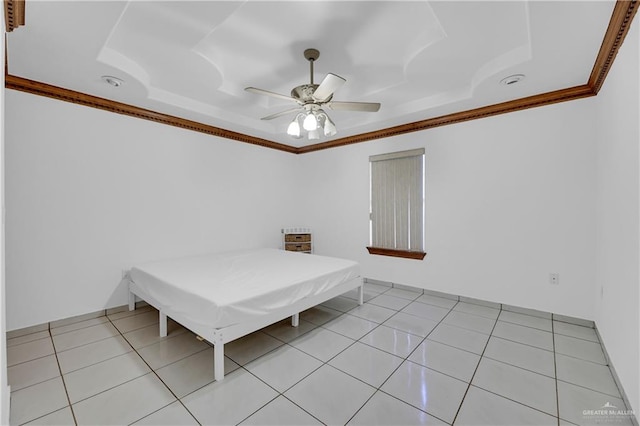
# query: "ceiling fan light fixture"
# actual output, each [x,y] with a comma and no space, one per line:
[329,127]
[294,129]
[310,122]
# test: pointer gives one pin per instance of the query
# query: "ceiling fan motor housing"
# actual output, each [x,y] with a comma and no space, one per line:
[304,93]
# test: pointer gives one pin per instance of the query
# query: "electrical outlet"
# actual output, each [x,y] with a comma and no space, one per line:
[554,278]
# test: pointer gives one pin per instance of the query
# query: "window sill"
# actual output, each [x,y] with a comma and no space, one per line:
[416,255]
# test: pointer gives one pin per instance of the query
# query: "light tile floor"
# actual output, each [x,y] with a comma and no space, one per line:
[401,358]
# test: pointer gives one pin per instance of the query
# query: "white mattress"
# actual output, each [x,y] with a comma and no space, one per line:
[225,289]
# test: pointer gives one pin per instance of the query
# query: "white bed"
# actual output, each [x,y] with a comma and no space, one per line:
[224,296]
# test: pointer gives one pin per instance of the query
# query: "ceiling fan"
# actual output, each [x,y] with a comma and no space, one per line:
[310,99]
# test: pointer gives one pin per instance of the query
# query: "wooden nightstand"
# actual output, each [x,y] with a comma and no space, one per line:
[297,239]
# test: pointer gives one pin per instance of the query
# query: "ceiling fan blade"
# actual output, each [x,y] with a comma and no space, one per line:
[354,106]
[268,93]
[280,114]
[330,84]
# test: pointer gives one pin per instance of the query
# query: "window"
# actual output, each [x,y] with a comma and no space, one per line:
[397,204]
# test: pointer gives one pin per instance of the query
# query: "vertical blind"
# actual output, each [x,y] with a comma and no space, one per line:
[397,203]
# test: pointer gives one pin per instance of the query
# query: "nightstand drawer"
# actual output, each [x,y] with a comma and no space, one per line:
[297,238]
[297,246]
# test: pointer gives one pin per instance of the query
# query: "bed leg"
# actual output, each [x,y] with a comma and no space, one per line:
[132,301]
[361,294]
[218,361]
[295,320]
[163,325]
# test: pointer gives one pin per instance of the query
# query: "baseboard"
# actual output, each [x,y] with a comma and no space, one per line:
[378,282]
[616,378]
[526,311]
[66,321]
[574,320]
[408,288]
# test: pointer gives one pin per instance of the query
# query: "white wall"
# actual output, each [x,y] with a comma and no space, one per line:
[509,199]
[618,215]
[89,193]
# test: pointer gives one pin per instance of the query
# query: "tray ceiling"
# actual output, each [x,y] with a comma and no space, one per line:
[419,59]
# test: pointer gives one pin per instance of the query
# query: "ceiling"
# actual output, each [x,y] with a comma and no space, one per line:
[419,59]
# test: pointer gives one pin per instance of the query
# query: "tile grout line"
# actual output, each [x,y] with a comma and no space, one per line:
[326,363]
[64,383]
[378,389]
[555,372]
[512,400]
[477,367]
[424,339]
[294,403]
[520,343]
[243,367]
[280,394]
[323,363]
[75,329]
[524,325]
[405,359]
[591,389]
[582,359]
[30,360]
[156,374]
[516,366]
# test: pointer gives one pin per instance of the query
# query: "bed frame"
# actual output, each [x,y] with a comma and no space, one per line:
[219,336]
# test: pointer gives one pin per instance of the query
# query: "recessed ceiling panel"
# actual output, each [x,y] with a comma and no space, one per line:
[419,59]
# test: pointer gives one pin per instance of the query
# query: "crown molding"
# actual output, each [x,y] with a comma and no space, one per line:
[623,14]
[62,94]
[13,14]
[549,98]
[621,18]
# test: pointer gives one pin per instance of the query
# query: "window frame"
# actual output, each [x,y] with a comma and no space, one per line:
[407,253]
